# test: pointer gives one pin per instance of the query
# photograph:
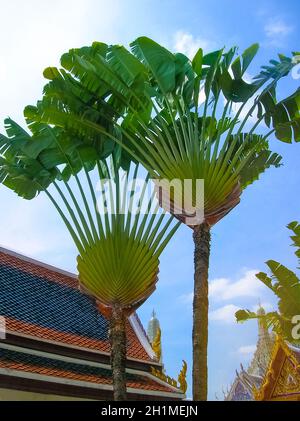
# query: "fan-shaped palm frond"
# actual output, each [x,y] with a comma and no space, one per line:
[121,267]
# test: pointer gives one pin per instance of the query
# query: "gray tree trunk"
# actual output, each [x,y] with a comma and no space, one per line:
[201,237]
[118,352]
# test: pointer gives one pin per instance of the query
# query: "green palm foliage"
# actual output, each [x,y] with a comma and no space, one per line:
[149,98]
[285,284]
[181,119]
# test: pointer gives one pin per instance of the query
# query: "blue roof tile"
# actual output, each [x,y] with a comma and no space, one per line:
[37,300]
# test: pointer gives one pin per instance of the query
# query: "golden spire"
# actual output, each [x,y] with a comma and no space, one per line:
[156,344]
[182,377]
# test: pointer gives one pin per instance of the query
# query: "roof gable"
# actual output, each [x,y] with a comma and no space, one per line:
[282,380]
[40,301]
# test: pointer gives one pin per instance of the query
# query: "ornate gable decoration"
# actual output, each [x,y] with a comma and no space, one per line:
[288,381]
[282,381]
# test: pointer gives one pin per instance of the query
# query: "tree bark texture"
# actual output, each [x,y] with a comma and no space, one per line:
[118,352]
[201,237]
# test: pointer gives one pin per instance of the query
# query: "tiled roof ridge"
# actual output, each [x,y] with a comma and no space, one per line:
[139,331]
[13,325]
[142,327]
[39,268]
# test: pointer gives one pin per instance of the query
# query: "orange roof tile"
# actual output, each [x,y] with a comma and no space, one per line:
[136,382]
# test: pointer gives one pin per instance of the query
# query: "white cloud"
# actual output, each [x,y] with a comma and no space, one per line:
[187,298]
[276,31]
[277,27]
[34,34]
[226,289]
[246,349]
[31,227]
[247,77]
[33,40]
[186,43]
[222,289]
[225,314]
[252,118]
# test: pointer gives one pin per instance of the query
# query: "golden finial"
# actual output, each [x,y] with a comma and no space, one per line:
[182,377]
[156,345]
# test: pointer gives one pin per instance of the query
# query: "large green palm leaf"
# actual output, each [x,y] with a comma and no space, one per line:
[285,284]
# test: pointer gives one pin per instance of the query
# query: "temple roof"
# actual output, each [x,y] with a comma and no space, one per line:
[252,377]
[46,302]
[48,321]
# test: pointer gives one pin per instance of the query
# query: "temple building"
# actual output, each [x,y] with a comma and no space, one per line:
[250,379]
[55,344]
[282,378]
[273,374]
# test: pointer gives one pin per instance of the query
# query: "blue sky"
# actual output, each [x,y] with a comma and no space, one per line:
[33,35]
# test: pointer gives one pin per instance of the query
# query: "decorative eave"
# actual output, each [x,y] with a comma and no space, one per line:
[249,380]
[238,379]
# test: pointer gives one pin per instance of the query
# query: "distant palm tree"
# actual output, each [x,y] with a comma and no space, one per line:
[285,284]
[148,102]
[119,250]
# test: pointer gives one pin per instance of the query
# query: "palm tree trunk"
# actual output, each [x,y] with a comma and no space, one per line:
[201,237]
[118,352]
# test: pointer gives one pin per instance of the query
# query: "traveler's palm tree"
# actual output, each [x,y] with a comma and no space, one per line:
[119,237]
[149,102]
[285,284]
